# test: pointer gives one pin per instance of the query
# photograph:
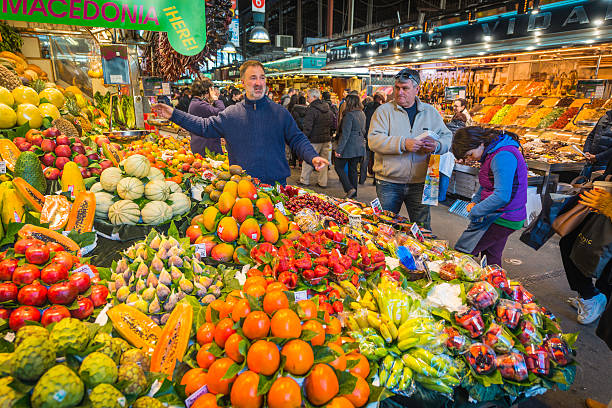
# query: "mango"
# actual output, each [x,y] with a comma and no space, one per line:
[231,187]
[250,228]
[210,218]
[222,252]
[265,206]
[214,195]
[293,235]
[293,226]
[242,209]
[269,232]
[282,222]
[227,230]
[246,189]
[209,240]
[226,202]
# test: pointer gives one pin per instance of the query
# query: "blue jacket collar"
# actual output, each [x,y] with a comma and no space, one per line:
[259,103]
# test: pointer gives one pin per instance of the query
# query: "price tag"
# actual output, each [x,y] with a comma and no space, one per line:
[86,269]
[193,397]
[200,250]
[483,262]
[376,207]
[167,155]
[116,79]
[2,167]
[208,175]
[416,232]
[355,221]
[301,295]
[281,207]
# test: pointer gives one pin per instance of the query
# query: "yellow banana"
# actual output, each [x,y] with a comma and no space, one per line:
[350,289]
[356,306]
[353,325]
[392,330]
[407,343]
[384,332]
[374,322]
[339,288]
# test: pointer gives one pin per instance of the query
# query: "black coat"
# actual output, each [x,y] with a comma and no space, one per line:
[455,124]
[299,113]
[599,141]
[369,110]
[317,123]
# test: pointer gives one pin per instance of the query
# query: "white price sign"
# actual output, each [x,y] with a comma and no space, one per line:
[2,167]
[200,250]
[281,207]
[86,269]
[301,295]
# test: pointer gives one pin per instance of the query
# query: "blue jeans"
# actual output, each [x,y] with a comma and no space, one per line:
[392,195]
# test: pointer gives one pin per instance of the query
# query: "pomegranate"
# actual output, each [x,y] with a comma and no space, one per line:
[37,254]
[54,314]
[7,267]
[21,315]
[98,296]
[4,313]
[81,280]
[23,244]
[62,257]
[8,291]
[34,294]
[85,309]
[25,274]
[62,293]
[53,273]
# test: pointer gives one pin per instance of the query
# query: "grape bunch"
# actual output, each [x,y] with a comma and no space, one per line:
[295,204]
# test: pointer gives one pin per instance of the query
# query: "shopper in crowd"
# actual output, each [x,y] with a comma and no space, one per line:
[234,96]
[368,160]
[460,106]
[458,121]
[317,127]
[499,206]
[598,145]
[205,103]
[326,96]
[271,95]
[402,135]
[298,110]
[287,97]
[184,100]
[255,130]
[351,145]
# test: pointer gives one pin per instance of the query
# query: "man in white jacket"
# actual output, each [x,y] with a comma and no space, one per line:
[402,135]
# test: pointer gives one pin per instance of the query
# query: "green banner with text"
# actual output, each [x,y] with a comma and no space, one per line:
[184,20]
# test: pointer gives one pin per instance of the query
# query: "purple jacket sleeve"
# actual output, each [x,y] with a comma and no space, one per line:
[211,127]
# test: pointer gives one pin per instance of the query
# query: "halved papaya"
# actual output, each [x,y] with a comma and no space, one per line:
[9,153]
[135,327]
[30,195]
[47,235]
[55,212]
[173,341]
[112,154]
[83,212]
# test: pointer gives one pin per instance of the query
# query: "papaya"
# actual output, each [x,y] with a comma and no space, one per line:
[134,326]
[82,213]
[112,154]
[47,235]
[29,194]
[9,153]
[173,341]
[72,179]
[12,207]
[55,212]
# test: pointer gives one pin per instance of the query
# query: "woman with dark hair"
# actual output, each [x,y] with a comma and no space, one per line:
[458,121]
[499,207]
[205,103]
[351,145]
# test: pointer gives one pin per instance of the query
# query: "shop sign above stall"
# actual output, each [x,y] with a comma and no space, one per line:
[184,21]
[553,18]
[296,63]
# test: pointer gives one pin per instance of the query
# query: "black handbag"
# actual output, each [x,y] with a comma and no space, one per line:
[540,230]
[595,235]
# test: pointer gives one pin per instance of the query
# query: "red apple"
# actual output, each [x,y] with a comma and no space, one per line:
[78,148]
[33,148]
[62,140]
[93,156]
[62,150]
[95,171]
[105,164]
[24,146]
[19,140]
[32,135]
[54,314]
[48,145]
[61,161]
[51,133]
[36,139]
[48,159]
[5,313]
[51,173]
[81,160]
[85,172]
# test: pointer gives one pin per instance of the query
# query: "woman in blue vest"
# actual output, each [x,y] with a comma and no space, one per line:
[499,207]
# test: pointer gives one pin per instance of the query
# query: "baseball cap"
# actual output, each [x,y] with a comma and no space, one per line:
[408,74]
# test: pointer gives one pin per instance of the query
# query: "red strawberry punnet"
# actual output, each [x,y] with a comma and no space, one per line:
[471,320]
[509,313]
[481,358]
[512,366]
[482,295]
[558,350]
[537,360]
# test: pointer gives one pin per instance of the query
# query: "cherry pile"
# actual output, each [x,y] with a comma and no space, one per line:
[295,204]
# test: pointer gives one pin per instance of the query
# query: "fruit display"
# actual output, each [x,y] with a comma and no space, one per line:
[324,208]
[154,275]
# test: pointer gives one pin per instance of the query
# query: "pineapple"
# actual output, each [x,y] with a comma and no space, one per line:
[76,116]
[38,85]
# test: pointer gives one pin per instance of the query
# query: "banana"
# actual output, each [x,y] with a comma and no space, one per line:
[395,375]
[383,375]
[356,305]
[388,362]
[418,366]
[392,330]
[362,320]
[406,379]
[373,321]
[339,288]
[422,354]
[353,325]
[407,343]
[384,332]
[350,289]
[433,384]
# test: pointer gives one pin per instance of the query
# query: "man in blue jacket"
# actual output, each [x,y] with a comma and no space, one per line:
[255,130]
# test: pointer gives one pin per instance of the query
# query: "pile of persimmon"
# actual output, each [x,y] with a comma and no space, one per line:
[260,348]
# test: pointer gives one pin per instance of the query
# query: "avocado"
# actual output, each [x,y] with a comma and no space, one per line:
[28,167]
[235,169]
[224,175]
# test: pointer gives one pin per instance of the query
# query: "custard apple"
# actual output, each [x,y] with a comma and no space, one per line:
[8,396]
[138,357]
[123,345]
[30,331]
[33,358]
[113,350]
[6,361]
[147,402]
[98,368]
[132,379]
[59,387]
[107,396]
[70,335]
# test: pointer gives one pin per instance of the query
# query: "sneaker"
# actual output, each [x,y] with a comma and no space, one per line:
[590,310]
[351,193]
[574,301]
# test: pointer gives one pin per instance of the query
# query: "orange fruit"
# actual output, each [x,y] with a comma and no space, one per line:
[254,281]
[217,370]
[308,309]
[220,306]
[274,301]
[193,380]
[340,362]
[256,325]
[272,286]
[286,324]
[333,327]
[340,402]
[206,401]
[321,385]
[206,333]
[204,357]
[256,291]
[285,393]
[361,393]
[241,309]
[315,326]
[232,348]
[224,329]
[299,357]
[263,357]
[244,391]
[362,369]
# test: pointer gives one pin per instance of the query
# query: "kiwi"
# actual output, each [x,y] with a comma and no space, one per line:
[214,195]
[224,175]
[220,184]
[209,188]
[235,169]
[236,178]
